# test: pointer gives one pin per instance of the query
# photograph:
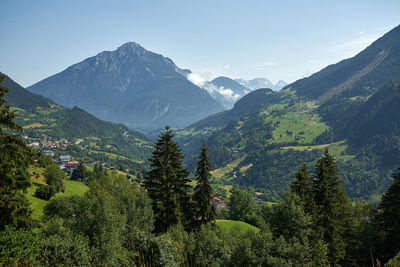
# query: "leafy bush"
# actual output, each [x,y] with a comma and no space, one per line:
[45,192]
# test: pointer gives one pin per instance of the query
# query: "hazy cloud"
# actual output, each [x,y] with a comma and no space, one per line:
[354,46]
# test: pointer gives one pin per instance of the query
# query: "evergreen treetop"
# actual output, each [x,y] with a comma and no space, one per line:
[333,215]
[203,190]
[167,183]
[302,186]
[389,218]
[15,158]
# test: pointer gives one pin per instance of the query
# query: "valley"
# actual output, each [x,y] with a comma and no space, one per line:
[124,158]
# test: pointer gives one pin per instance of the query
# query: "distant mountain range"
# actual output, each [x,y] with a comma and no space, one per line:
[258,83]
[229,91]
[130,85]
[226,90]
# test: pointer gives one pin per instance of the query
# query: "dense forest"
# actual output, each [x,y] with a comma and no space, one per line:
[166,222]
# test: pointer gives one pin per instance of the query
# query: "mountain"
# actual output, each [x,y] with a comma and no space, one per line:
[258,83]
[279,85]
[351,108]
[130,85]
[241,108]
[87,136]
[20,97]
[359,75]
[226,90]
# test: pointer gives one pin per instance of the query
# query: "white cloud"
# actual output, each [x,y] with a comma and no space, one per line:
[200,76]
[209,87]
[225,92]
[196,79]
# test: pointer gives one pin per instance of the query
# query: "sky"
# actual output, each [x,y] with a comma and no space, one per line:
[277,40]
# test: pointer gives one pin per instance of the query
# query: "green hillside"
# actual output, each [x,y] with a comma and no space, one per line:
[71,188]
[350,108]
[242,226]
[86,136]
[331,76]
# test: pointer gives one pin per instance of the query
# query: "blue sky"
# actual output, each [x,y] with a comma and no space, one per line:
[277,40]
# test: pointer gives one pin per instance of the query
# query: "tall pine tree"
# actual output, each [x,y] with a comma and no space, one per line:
[302,186]
[15,158]
[167,183]
[389,219]
[205,211]
[333,214]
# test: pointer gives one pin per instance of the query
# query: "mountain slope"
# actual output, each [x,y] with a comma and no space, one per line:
[87,136]
[256,83]
[385,50]
[351,108]
[130,85]
[241,107]
[22,98]
[279,85]
[226,90]
[227,83]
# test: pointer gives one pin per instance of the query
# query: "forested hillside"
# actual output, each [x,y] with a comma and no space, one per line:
[87,137]
[349,107]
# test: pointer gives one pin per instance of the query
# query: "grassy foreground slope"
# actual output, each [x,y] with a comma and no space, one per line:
[37,179]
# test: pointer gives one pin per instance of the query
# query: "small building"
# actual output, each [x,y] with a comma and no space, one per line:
[218,204]
[69,167]
[258,201]
[48,153]
[35,145]
[65,158]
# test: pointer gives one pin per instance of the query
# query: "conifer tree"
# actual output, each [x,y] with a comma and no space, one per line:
[302,186]
[81,172]
[15,158]
[389,218]
[167,183]
[205,211]
[333,216]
